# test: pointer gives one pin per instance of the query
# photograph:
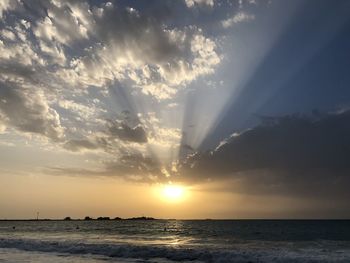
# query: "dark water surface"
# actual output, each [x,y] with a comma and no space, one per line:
[176,240]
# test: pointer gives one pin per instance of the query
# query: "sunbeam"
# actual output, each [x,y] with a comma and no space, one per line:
[208,101]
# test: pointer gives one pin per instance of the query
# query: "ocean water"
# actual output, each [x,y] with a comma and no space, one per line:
[166,241]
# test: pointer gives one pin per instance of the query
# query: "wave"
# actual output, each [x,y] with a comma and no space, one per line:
[237,255]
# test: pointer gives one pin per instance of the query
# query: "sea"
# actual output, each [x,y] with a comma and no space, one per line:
[166,241]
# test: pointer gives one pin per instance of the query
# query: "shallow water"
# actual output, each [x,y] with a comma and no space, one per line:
[175,240]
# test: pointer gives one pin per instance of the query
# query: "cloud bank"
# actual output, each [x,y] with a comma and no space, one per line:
[291,155]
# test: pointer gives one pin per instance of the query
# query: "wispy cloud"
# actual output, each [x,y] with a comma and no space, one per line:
[237,18]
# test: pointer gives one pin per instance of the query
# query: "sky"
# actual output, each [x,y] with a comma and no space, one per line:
[175,108]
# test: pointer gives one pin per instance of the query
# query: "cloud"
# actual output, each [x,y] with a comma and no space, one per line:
[124,132]
[140,48]
[53,50]
[21,51]
[61,24]
[289,155]
[86,112]
[131,167]
[82,45]
[28,111]
[8,35]
[7,5]
[135,167]
[83,145]
[59,61]
[237,18]
[192,3]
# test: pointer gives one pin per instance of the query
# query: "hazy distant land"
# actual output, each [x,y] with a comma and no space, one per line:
[87,218]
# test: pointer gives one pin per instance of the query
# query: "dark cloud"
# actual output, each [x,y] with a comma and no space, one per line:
[85,144]
[123,131]
[294,155]
[13,69]
[129,29]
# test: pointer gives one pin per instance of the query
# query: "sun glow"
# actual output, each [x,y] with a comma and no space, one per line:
[173,192]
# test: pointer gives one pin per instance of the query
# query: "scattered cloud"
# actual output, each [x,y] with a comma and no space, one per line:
[53,52]
[237,18]
[84,111]
[192,3]
[127,45]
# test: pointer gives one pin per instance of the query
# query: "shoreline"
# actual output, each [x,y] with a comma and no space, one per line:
[160,219]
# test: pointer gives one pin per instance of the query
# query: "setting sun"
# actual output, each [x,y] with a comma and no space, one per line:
[173,192]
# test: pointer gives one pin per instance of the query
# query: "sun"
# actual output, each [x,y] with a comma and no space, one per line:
[173,192]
